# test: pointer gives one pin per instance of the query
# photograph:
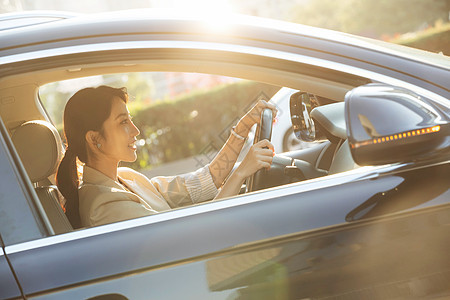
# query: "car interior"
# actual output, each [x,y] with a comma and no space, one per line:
[40,148]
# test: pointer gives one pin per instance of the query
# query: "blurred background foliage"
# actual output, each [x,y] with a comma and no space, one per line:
[376,19]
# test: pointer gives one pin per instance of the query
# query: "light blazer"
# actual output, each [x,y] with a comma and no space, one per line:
[104,200]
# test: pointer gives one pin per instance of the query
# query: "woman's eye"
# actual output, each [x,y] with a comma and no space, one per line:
[126,121]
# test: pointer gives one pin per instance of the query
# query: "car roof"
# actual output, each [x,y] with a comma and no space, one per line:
[155,34]
[15,20]
[73,26]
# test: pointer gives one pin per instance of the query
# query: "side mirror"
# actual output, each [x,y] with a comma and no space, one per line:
[301,104]
[387,124]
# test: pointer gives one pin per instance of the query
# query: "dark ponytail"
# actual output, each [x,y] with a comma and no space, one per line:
[86,110]
[68,182]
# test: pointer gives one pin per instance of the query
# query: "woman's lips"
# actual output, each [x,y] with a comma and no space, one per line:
[132,145]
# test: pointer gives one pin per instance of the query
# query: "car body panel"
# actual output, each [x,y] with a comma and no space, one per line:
[332,262]
[258,217]
[15,20]
[8,284]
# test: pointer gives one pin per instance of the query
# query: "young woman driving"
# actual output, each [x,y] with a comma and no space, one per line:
[100,133]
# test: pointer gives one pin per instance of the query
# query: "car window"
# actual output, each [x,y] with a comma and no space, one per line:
[184,118]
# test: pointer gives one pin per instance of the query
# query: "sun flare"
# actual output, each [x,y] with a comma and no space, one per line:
[198,6]
[216,13]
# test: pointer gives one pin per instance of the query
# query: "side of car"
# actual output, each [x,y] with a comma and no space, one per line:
[301,251]
[344,235]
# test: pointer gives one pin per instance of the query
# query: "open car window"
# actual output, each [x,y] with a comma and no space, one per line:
[184,118]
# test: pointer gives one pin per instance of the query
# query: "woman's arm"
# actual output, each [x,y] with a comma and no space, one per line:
[199,186]
[224,161]
[259,156]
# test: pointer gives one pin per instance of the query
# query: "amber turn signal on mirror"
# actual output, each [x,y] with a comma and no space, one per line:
[387,124]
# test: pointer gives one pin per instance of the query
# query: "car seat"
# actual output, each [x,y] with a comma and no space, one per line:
[40,148]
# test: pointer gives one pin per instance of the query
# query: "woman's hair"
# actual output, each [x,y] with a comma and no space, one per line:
[86,110]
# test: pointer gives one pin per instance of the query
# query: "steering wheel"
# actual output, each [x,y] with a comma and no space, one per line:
[263,131]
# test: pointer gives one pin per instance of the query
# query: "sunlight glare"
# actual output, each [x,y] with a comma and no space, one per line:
[216,13]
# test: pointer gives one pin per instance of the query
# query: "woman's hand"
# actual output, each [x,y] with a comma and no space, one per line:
[253,116]
[259,156]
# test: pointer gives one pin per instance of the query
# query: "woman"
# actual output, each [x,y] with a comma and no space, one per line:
[100,133]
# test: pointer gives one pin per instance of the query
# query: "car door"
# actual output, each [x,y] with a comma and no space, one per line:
[285,242]
[8,285]
[19,219]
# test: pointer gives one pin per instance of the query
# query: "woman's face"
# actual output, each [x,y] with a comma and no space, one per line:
[119,134]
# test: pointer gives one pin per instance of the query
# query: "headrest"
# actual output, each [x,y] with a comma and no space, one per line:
[332,118]
[40,148]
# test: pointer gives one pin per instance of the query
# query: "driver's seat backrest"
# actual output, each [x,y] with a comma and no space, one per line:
[40,148]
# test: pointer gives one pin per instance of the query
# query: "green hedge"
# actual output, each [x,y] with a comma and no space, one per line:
[195,123]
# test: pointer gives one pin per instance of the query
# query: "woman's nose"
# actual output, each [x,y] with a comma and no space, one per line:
[135,131]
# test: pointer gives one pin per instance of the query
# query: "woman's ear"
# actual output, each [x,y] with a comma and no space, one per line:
[93,139]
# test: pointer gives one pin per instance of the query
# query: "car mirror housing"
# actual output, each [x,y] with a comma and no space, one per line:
[388,124]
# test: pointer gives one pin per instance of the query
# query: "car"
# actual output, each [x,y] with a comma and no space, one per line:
[364,214]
